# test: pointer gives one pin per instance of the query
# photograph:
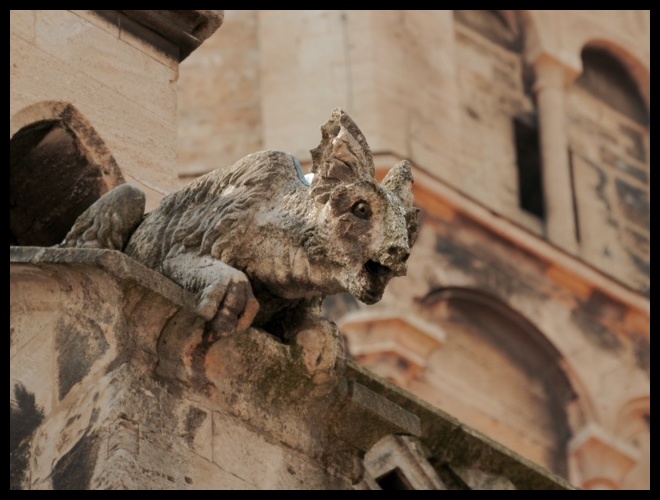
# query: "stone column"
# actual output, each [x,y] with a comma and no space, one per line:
[551,80]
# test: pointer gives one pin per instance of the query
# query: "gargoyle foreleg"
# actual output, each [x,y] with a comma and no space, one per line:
[225,297]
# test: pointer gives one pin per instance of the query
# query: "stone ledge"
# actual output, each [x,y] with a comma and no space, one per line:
[453,445]
[116,264]
[379,417]
[178,32]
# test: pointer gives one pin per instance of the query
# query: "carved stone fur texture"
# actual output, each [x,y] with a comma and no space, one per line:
[263,247]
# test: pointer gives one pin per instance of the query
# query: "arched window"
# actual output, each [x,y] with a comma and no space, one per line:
[608,132]
[605,77]
[499,374]
[58,167]
[466,352]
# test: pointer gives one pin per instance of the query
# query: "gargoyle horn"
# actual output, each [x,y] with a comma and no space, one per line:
[399,180]
[342,157]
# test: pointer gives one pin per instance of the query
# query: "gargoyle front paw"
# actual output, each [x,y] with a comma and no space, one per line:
[229,305]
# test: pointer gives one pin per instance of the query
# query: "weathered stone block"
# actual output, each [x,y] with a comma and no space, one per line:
[146,148]
[103,58]
[22,23]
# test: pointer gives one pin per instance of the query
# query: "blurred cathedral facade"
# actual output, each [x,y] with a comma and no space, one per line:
[526,309]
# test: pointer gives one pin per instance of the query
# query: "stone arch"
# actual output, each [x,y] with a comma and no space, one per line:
[628,78]
[509,381]
[608,119]
[58,167]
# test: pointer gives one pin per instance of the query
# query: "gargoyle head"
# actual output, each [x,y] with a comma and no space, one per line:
[367,228]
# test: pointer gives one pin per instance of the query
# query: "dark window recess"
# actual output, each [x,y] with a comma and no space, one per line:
[394,480]
[605,77]
[51,182]
[528,161]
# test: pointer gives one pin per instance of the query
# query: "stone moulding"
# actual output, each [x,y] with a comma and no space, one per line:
[180,31]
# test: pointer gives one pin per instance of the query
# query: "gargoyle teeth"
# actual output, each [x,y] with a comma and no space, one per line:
[377,269]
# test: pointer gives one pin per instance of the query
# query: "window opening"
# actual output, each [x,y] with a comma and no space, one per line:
[528,162]
[394,480]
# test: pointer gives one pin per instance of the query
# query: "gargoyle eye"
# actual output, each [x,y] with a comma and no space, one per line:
[361,210]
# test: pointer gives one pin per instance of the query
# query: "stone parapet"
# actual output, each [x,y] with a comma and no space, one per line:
[112,388]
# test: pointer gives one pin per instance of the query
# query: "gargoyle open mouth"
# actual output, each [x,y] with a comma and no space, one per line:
[377,269]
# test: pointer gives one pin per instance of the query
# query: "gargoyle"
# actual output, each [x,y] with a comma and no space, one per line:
[263,246]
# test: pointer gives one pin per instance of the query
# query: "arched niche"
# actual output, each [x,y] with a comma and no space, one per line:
[608,116]
[500,374]
[616,79]
[58,167]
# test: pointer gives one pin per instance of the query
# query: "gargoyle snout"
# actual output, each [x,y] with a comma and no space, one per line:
[396,259]
[399,253]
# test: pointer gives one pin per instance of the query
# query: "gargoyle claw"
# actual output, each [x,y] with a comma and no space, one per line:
[230,307]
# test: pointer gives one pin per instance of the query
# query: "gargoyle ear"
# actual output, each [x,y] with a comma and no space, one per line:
[342,157]
[399,181]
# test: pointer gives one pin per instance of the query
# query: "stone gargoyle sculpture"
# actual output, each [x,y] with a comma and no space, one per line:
[259,243]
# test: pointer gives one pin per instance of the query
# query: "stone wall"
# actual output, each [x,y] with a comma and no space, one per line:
[122,85]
